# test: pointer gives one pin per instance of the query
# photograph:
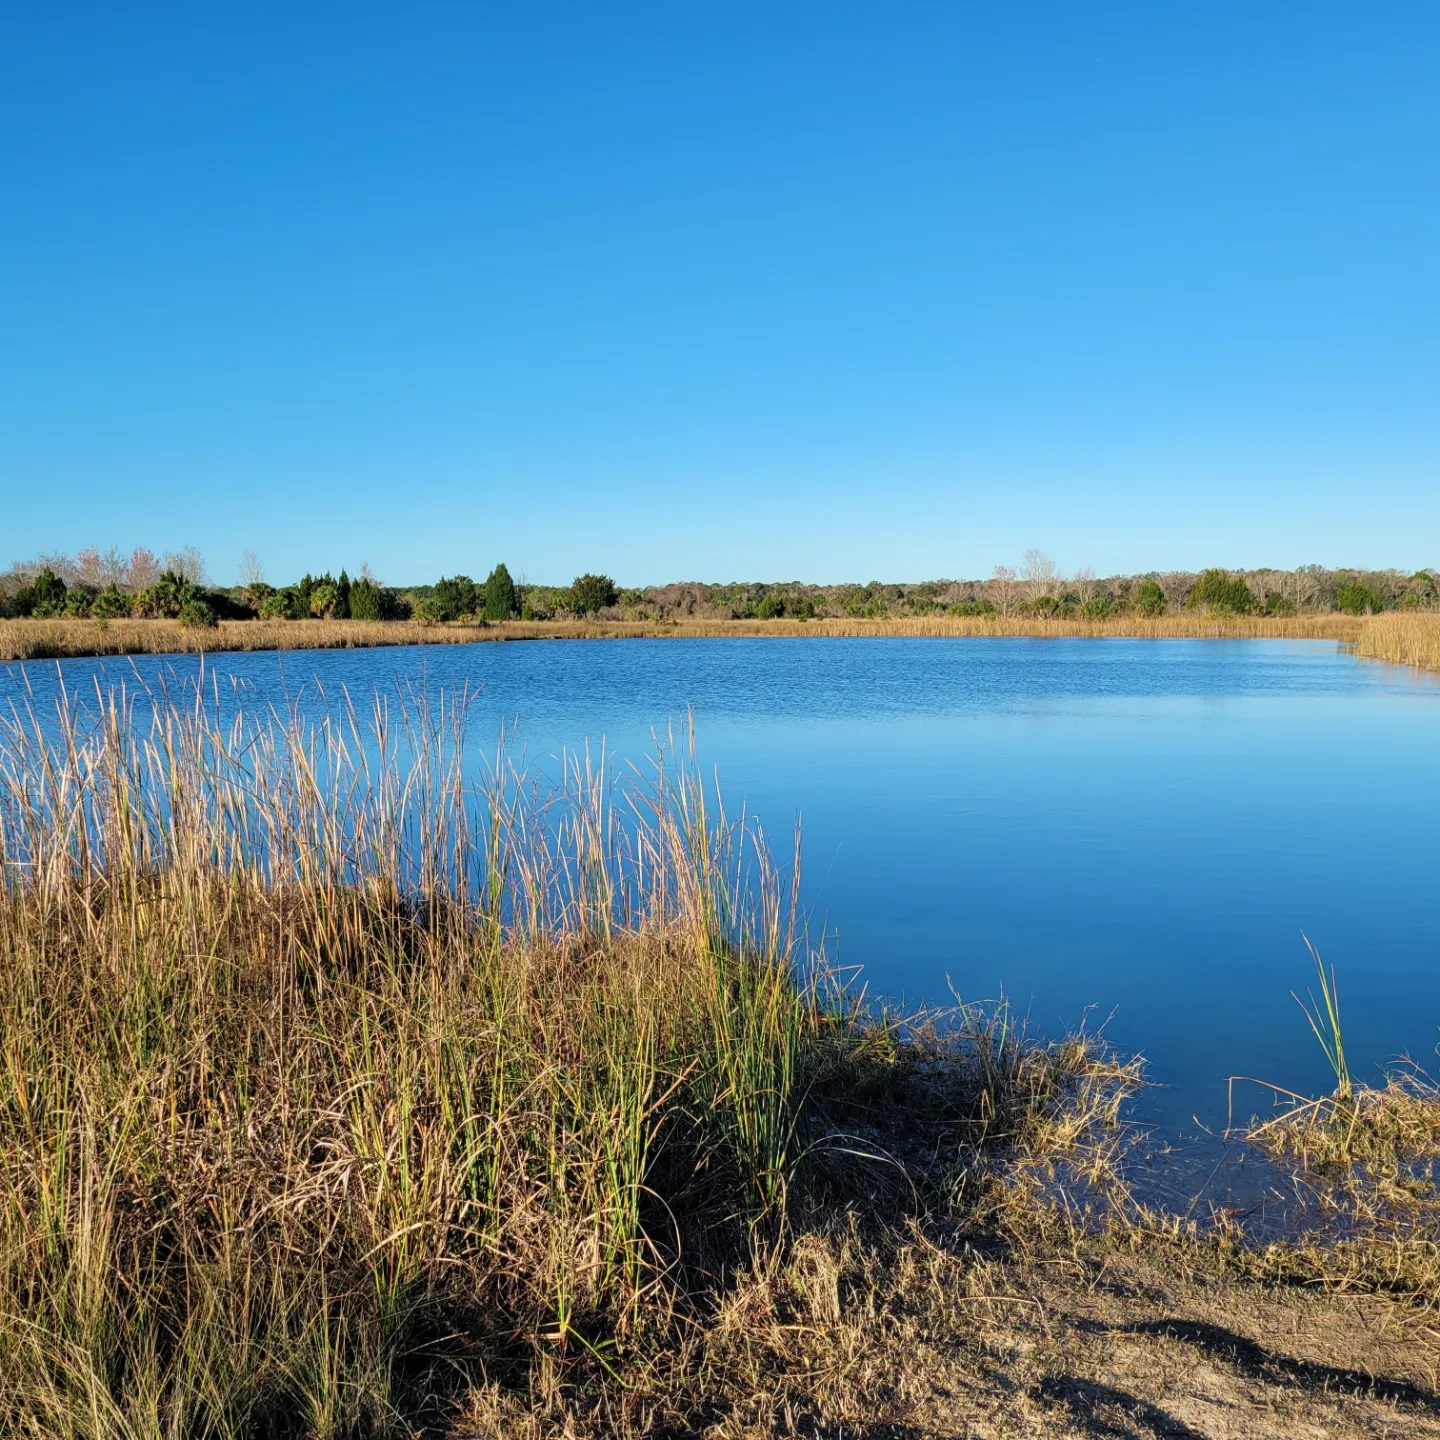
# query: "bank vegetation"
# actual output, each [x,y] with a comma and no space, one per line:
[352,1087]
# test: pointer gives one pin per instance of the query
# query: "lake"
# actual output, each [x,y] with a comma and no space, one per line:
[1133,833]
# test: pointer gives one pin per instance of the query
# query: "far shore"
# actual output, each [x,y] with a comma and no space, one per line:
[1404,638]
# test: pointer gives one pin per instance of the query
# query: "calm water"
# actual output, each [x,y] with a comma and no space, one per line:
[1134,830]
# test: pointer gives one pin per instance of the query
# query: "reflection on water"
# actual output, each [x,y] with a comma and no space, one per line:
[1124,833]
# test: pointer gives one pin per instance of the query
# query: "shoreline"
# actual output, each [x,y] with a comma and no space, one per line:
[1408,639]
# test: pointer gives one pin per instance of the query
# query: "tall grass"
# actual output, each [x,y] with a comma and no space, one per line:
[332,1082]
[1402,639]
[52,639]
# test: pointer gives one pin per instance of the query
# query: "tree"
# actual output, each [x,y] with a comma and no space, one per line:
[500,603]
[341,608]
[1002,582]
[187,563]
[1150,599]
[1353,598]
[323,599]
[252,572]
[143,570]
[590,593]
[369,600]
[1217,591]
[1038,574]
[1087,587]
[452,598]
[44,595]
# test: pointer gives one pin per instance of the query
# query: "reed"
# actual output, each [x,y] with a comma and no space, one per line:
[56,639]
[338,1084]
[1402,639]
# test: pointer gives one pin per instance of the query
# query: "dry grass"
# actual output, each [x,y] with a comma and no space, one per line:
[54,639]
[343,1097]
[1402,639]
[336,1088]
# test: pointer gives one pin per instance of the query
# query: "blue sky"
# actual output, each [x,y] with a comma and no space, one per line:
[773,291]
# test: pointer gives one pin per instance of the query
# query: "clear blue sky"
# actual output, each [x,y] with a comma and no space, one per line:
[767,291]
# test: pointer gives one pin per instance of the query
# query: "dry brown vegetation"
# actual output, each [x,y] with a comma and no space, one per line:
[1403,639]
[1410,639]
[341,1097]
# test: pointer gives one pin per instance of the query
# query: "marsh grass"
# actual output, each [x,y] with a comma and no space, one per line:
[1395,637]
[343,1094]
[1402,638]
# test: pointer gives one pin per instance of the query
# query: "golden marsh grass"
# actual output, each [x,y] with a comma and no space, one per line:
[1394,636]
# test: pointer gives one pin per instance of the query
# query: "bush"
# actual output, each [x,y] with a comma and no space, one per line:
[1281,606]
[1150,599]
[500,601]
[196,614]
[79,600]
[1357,599]
[1218,593]
[169,595]
[590,593]
[284,604]
[110,604]
[974,607]
[1097,607]
[43,596]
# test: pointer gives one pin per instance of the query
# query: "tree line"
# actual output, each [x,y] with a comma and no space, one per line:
[107,585]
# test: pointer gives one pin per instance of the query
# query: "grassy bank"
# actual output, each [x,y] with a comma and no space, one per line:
[1410,639]
[340,1097]
[1401,639]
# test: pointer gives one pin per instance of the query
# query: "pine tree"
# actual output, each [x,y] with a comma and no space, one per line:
[499,594]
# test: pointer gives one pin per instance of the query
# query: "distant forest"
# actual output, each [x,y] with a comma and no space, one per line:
[104,585]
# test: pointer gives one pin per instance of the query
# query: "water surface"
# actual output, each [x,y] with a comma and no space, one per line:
[1131,832]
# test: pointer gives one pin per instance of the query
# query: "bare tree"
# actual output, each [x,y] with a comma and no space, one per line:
[1086,585]
[1002,582]
[252,572]
[1038,574]
[186,563]
[143,570]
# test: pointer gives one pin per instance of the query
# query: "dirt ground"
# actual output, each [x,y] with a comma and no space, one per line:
[999,1349]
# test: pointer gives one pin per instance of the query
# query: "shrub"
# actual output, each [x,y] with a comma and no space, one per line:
[282,605]
[1219,593]
[78,601]
[43,596]
[1357,599]
[196,614]
[500,601]
[974,607]
[169,594]
[590,593]
[110,604]
[1150,599]
[1278,605]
